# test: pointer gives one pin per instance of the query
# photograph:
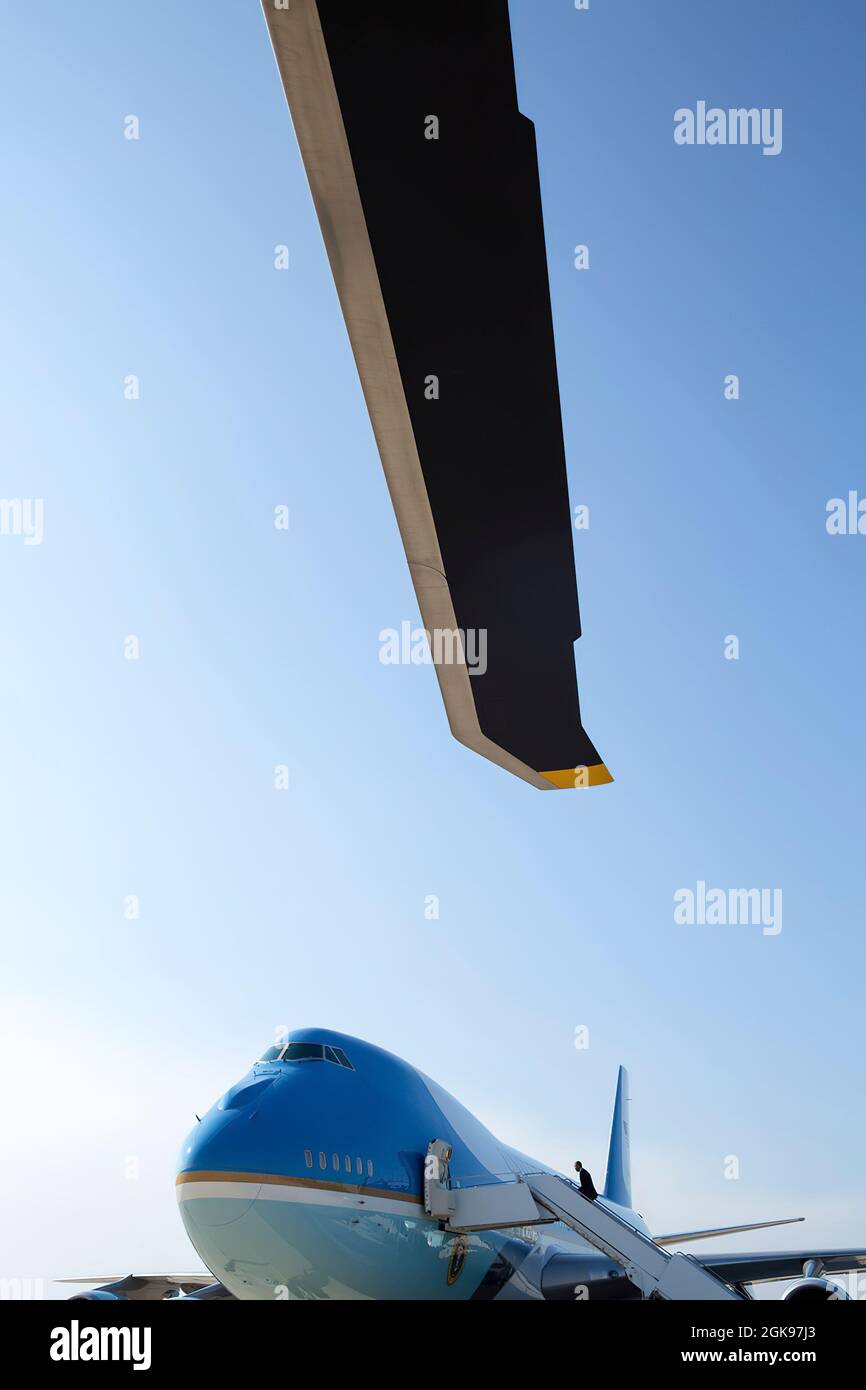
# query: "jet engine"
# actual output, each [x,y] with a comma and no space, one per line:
[585,1277]
[814,1291]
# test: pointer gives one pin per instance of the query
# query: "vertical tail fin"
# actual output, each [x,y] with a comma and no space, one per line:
[617,1183]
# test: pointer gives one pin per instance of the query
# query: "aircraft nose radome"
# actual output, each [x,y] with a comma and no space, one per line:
[213,1145]
[210,1186]
[242,1131]
[222,1141]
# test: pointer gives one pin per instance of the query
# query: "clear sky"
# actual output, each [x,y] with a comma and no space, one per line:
[262,908]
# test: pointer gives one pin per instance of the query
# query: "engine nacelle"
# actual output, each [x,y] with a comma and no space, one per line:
[814,1291]
[586,1277]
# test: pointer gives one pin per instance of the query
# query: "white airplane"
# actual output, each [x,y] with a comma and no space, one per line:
[335,1170]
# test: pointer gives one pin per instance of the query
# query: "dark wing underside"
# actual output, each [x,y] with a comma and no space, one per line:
[786,1264]
[438,253]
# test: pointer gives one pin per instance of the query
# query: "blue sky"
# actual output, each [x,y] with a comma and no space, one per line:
[154,777]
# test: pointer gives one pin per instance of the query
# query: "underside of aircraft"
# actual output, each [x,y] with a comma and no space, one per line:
[424,174]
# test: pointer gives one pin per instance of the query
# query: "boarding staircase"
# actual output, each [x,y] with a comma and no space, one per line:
[531,1199]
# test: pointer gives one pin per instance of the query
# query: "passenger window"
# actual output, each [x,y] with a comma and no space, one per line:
[323,1161]
[359,1167]
[369,1167]
[335,1160]
[308,1156]
[348,1164]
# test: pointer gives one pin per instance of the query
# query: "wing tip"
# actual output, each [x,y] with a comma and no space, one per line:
[573,778]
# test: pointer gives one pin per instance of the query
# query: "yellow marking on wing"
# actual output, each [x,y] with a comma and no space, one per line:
[574,777]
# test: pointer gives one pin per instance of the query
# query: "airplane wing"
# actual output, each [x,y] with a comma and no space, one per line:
[425,178]
[150,1288]
[685,1236]
[787,1264]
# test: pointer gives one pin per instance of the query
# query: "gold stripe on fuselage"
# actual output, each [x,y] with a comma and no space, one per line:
[251,1179]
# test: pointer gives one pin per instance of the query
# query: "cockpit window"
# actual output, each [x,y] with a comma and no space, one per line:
[303,1052]
[307,1052]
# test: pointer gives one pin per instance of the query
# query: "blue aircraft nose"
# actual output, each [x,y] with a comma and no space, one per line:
[228,1139]
[225,1146]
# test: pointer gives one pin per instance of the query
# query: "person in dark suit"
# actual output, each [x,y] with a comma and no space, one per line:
[587,1186]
